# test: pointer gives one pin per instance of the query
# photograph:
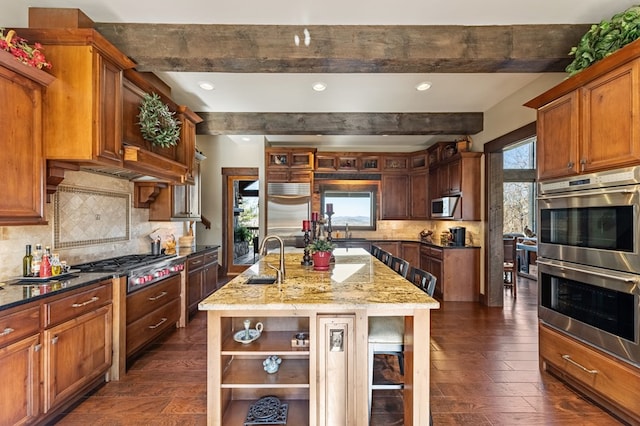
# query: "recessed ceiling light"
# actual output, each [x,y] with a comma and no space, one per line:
[425,85]
[206,85]
[319,86]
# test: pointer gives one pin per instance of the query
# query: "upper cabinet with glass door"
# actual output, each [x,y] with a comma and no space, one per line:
[289,164]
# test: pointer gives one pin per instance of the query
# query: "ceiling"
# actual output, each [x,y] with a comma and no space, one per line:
[358,92]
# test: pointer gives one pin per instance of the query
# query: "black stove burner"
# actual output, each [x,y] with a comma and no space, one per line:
[121,263]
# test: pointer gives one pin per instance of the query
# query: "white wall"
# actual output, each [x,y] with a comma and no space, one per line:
[510,114]
[221,152]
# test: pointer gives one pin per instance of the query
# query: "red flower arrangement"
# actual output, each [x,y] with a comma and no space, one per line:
[18,47]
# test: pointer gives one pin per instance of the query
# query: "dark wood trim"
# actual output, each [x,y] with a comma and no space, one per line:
[240,171]
[346,48]
[514,136]
[345,123]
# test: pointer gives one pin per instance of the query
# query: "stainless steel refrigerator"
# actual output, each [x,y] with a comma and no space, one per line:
[288,204]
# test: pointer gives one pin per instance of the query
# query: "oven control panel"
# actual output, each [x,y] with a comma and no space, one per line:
[151,274]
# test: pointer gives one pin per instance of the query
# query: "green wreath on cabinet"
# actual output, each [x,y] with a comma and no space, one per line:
[157,123]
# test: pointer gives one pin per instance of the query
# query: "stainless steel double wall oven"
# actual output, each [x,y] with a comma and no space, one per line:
[589,259]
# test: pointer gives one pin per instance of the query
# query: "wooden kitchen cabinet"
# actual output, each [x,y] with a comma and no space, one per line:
[289,164]
[411,253]
[76,353]
[77,342]
[395,189]
[419,190]
[202,277]
[20,361]
[589,122]
[457,271]
[605,379]
[458,175]
[83,106]
[392,247]
[22,174]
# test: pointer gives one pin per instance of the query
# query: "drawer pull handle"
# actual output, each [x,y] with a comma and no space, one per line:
[7,331]
[582,367]
[162,321]
[80,305]
[160,296]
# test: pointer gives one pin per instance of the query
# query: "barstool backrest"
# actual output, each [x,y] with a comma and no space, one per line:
[399,265]
[423,279]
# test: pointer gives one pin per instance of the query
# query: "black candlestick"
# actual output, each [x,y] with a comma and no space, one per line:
[329,237]
[306,259]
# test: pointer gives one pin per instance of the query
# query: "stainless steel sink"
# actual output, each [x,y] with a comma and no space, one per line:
[261,280]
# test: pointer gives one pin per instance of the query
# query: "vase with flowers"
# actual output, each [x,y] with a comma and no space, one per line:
[321,250]
[22,51]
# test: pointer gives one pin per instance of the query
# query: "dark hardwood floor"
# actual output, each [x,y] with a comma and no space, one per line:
[484,372]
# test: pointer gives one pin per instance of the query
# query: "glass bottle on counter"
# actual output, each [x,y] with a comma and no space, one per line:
[27,260]
[56,266]
[37,260]
[45,265]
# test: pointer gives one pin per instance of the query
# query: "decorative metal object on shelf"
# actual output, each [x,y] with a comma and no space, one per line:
[268,410]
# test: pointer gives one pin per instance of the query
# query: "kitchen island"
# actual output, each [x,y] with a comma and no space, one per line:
[323,377]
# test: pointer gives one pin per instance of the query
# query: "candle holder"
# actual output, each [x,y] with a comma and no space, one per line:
[306,259]
[329,237]
[314,225]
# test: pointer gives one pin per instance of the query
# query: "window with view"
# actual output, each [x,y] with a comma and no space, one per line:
[355,208]
[519,187]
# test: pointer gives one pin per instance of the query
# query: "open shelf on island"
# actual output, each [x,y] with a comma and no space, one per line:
[269,343]
[249,372]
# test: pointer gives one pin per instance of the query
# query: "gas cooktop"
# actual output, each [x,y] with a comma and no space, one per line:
[122,263]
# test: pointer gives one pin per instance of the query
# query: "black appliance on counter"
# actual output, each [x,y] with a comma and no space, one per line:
[142,270]
[458,235]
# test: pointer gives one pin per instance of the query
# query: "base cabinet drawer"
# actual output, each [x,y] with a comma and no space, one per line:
[142,302]
[147,328]
[611,382]
[77,304]
[19,324]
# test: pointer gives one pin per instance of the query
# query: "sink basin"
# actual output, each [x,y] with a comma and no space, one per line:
[261,280]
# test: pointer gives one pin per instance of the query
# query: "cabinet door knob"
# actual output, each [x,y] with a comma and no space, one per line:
[570,165]
[54,340]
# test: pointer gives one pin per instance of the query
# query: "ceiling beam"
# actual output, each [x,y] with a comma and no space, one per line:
[255,123]
[345,48]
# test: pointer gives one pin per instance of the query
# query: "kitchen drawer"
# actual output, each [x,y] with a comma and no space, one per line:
[77,304]
[210,257]
[20,324]
[614,382]
[195,262]
[435,252]
[147,328]
[144,301]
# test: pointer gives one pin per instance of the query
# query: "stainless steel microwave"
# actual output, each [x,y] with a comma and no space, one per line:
[443,207]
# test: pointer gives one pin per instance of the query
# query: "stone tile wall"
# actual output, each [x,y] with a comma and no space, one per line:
[91,222]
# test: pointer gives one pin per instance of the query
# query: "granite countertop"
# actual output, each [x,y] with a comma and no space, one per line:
[14,292]
[402,240]
[188,251]
[357,280]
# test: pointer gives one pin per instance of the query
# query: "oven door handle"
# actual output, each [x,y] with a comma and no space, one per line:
[587,193]
[611,274]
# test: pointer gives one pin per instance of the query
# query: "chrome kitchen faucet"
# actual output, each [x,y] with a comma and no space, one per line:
[263,251]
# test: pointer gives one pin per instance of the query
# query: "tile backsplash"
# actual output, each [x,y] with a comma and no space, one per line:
[89,222]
